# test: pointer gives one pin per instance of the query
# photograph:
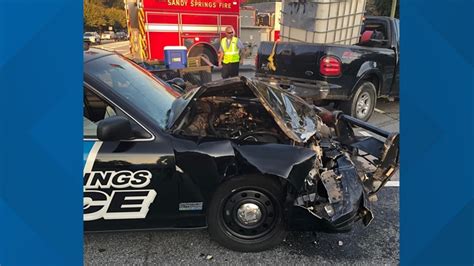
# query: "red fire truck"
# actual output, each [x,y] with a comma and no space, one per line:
[197,24]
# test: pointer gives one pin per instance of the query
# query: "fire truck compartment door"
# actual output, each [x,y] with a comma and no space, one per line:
[163,30]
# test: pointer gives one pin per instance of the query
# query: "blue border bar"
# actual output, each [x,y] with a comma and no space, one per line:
[437,132]
[41,132]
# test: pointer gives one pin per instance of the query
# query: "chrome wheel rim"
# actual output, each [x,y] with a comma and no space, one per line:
[363,105]
[249,214]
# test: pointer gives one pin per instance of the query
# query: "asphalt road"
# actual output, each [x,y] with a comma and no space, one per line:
[120,47]
[377,244]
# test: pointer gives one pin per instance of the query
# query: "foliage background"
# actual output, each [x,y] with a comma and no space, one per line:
[100,14]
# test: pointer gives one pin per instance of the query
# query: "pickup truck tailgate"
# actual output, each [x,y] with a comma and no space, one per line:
[285,56]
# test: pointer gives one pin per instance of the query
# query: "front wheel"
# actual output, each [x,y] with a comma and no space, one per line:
[362,103]
[246,214]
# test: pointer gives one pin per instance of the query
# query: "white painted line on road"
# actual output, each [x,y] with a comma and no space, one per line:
[365,133]
[395,183]
[379,111]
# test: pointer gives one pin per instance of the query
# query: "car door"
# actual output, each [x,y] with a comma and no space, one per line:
[128,184]
[381,51]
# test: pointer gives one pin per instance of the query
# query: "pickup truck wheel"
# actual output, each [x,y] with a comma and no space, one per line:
[246,214]
[362,103]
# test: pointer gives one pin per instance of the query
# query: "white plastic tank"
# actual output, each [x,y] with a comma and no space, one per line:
[322,21]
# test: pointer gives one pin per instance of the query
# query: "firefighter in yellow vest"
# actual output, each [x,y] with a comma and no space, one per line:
[230,54]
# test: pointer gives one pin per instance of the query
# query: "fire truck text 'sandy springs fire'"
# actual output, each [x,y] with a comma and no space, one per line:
[197,3]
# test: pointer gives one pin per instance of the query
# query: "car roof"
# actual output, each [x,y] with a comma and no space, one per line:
[94,53]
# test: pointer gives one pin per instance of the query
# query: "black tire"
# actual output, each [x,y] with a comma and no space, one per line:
[204,52]
[362,103]
[262,233]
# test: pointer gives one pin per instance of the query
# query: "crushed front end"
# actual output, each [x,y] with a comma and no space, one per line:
[333,173]
[348,171]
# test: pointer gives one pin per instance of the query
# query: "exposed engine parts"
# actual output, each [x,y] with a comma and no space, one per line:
[331,184]
[245,119]
[224,117]
[335,186]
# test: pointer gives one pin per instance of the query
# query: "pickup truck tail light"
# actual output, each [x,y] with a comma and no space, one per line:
[330,66]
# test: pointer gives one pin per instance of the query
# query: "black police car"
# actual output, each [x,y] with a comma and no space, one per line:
[245,159]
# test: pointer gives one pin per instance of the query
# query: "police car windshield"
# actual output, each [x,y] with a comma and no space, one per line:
[135,85]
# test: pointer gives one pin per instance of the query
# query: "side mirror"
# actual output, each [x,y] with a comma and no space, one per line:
[114,128]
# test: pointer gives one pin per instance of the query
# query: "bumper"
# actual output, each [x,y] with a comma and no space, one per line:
[363,165]
[347,200]
[91,39]
[307,89]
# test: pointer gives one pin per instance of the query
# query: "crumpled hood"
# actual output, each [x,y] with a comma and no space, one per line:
[294,116]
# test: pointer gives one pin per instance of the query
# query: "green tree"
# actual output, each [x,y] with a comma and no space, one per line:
[98,16]
[93,16]
[114,3]
[117,17]
[382,8]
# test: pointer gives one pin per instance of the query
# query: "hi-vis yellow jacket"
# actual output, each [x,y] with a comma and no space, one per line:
[231,53]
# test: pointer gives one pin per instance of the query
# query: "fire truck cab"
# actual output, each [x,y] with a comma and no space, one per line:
[196,24]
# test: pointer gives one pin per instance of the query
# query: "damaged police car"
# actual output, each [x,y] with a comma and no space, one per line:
[242,158]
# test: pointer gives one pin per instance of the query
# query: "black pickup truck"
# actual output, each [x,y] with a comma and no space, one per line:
[351,76]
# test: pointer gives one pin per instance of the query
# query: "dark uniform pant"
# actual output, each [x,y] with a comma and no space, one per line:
[230,70]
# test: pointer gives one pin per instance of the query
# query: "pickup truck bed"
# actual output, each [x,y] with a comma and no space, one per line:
[349,75]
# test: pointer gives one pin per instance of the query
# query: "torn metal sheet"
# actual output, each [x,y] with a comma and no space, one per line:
[245,126]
